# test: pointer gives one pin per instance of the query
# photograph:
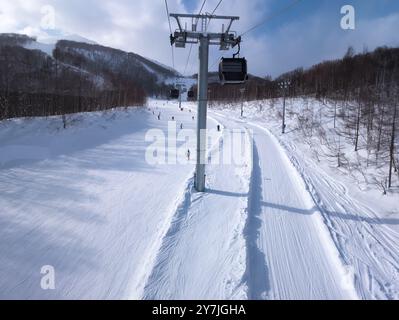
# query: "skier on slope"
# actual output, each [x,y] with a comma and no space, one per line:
[188,154]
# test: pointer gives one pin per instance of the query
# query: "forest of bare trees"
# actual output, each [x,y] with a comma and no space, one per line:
[364,90]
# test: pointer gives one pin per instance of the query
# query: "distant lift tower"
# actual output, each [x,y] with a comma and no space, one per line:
[225,40]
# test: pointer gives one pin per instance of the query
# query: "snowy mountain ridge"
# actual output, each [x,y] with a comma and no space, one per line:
[85,49]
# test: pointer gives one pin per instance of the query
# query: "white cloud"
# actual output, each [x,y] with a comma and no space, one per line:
[141,26]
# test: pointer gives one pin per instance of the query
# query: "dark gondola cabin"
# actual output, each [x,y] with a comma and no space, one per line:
[174,94]
[233,70]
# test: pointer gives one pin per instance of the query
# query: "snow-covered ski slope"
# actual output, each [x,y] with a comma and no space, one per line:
[254,235]
[203,255]
[85,201]
[289,252]
[364,229]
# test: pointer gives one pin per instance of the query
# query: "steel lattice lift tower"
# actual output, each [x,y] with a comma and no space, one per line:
[226,39]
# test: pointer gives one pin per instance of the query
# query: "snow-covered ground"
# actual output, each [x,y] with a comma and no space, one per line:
[47,43]
[84,201]
[277,225]
[203,255]
[362,222]
[289,252]
[44,47]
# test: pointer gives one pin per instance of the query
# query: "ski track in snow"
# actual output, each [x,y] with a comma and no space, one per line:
[365,241]
[283,247]
[289,252]
[203,253]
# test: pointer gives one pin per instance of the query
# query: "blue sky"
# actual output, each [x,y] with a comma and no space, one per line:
[310,31]
[365,9]
[306,34]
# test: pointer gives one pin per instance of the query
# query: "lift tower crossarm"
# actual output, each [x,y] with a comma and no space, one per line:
[200,16]
[224,39]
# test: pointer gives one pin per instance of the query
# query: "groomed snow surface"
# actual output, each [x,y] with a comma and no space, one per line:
[85,201]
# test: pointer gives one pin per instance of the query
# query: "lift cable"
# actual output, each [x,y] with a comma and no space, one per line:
[188,59]
[213,12]
[268,19]
[170,29]
[202,7]
[191,45]
[217,6]
[271,17]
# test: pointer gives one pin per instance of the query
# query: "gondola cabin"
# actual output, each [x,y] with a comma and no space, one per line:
[233,70]
[174,94]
